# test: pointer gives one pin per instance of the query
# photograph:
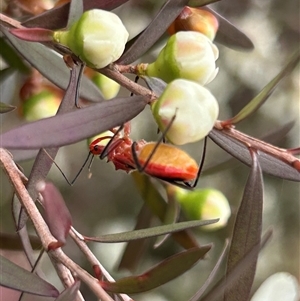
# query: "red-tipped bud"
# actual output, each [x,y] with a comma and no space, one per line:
[195,19]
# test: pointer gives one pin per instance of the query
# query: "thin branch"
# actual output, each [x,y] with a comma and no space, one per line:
[79,240]
[43,232]
[280,153]
[9,21]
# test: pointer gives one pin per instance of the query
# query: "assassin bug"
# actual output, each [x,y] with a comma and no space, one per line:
[163,161]
[160,160]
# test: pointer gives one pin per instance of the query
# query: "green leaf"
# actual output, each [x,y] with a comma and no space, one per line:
[264,94]
[15,277]
[146,233]
[162,273]
[5,108]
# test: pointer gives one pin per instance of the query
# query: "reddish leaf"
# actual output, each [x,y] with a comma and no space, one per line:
[164,272]
[230,36]
[74,126]
[212,275]
[57,17]
[229,281]
[33,34]
[246,232]
[17,278]
[269,163]
[154,31]
[57,215]
[136,248]
[42,162]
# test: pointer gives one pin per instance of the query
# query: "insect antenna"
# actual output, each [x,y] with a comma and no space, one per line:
[106,149]
[200,165]
[78,173]
[161,139]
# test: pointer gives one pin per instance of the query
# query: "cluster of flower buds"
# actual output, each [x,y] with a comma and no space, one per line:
[98,37]
[186,63]
[203,204]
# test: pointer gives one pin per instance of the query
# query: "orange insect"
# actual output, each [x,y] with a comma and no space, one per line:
[159,160]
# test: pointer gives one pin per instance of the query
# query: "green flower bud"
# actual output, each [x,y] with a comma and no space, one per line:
[107,86]
[196,111]
[204,204]
[41,105]
[189,55]
[98,38]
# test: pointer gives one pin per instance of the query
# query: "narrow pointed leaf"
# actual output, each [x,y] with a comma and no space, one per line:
[70,293]
[154,31]
[25,238]
[150,232]
[269,164]
[5,108]
[43,163]
[57,215]
[57,17]
[212,275]
[231,36]
[32,34]
[52,66]
[246,232]
[75,12]
[15,277]
[135,249]
[230,280]
[74,126]
[171,217]
[197,3]
[264,94]
[9,55]
[155,84]
[164,272]
[226,162]
[157,204]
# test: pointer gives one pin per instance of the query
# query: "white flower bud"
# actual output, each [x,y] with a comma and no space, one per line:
[278,287]
[98,38]
[196,111]
[187,54]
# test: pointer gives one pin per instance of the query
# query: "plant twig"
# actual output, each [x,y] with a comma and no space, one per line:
[43,232]
[79,240]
